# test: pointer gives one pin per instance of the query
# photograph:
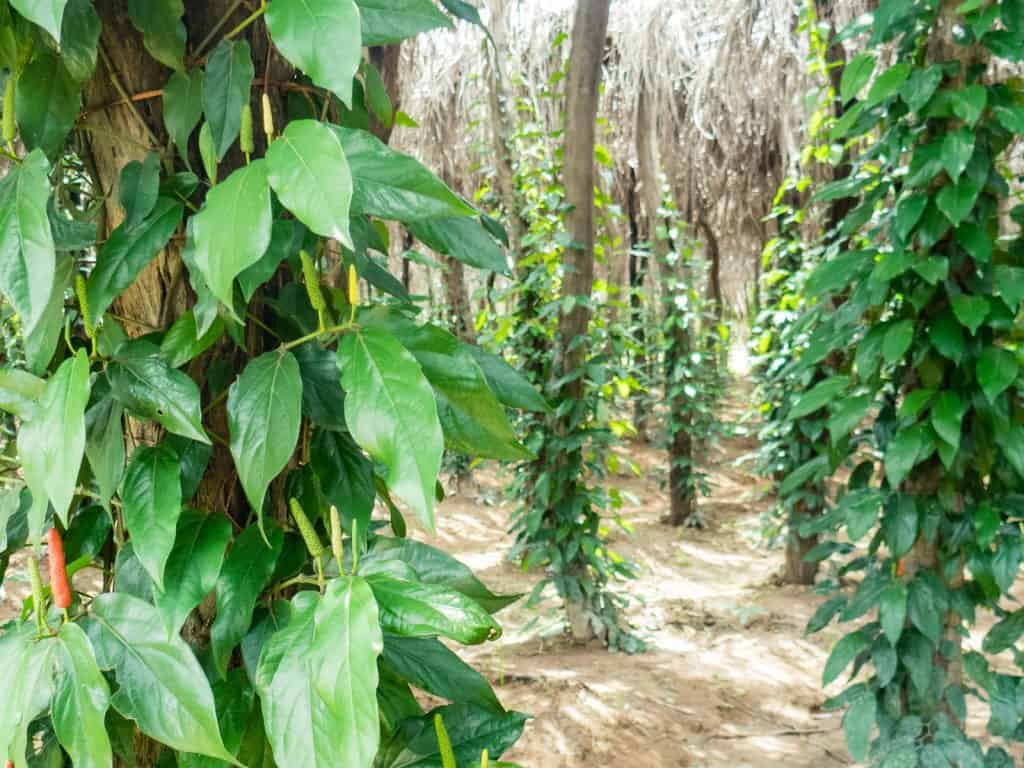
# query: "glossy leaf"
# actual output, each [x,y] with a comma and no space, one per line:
[391,21]
[391,413]
[183,108]
[320,37]
[226,85]
[52,443]
[138,189]
[392,185]
[507,383]
[80,700]
[146,385]
[19,391]
[997,370]
[414,609]
[79,37]
[464,239]
[104,446]
[27,256]
[26,677]
[857,724]
[947,416]
[819,396]
[192,567]
[48,14]
[151,505]
[46,103]
[323,400]
[264,416]
[346,477]
[233,229]
[128,251]
[308,172]
[161,685]
[428,664]
[246,571]
[162,28]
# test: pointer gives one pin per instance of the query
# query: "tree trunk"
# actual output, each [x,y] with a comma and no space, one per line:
[797,569]
[459,309]
[636,275]
[387,59]
[590,25]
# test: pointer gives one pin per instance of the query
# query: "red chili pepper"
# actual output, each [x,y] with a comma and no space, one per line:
[899,567]
[59,585]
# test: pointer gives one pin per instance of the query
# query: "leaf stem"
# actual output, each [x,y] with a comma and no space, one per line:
[248,20]
[201,48]
[317,334]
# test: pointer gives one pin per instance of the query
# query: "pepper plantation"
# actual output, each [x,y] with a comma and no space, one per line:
[468,383]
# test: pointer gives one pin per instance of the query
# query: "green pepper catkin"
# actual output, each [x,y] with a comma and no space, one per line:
[83,305]
[444,744]
[309,274]
[9,127]
[313,543]
[37,592]
[245,138]
[483,759]
[268,118]
[336,537]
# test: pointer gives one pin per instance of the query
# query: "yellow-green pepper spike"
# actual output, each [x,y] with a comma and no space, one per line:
[306,529]
[444,744]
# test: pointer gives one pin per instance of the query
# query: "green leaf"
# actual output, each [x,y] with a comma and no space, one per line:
[47,14]
[414,609]
[908,213]
[434,566]
[897,340]
[996,370]
[139,187]
[986,524]
[889,83]
[264,416]
[27,256]
[856,75]
[162,687]
[900,524]
[811,471]
[975,240]
[320,37]
[392,185]
[151,505]
[104,446]
[26,677]
[508,384]
[846,650]
[147,386]
[19,391]
[956,201]
[857,724]
[192,567]
[247,570]
[971,311]
[430,666]
[377,94]
[947,416]
[901,455]
[226,84]
[346,477]
[46,104]
[286,238]
[934,269]
[208,153]
[390,21]
[957,150]
[1009,282]
[128,251]
[181,342]
[892,611]
[464,239]
[921,86]
[51,444]
[42,342]
[233,229]
[969,102]
[1005,633]
[80,701]
[79,38]
[947,336]
[183,108]
[925,607]
[391,413]
[302,163]
[820,395]
[847,414]
[163,31]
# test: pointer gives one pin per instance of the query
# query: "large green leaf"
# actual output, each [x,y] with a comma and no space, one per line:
[27,256]
[27,679]
[892,611]
[947,415]
[462,238]
[308,172]
[80,701]
[104,445]
[46,104]
[471,729]
[819,396]
[192,567]
[957,149]
[264,416]
[428,664]
[226,85]
[391,413]
[902,453]
[435,566]
[392,185]
[857,724]
[844,651]
[79,37]
[139,188]
[19,391]
[1005,633]
[51,444]
[856,75]
[507,383]
[957,200]
[234,228]
[390,21]
[320,37]
[247,570]
[146,385]
[323,400]
[346,477]
[127,252]
[183,108]
[42,342]
[151,505]
[48,14]
[971,311]
[163,31]
[997,369]
[162,686]
[415,609]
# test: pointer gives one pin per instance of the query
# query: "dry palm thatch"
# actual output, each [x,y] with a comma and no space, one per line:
[726,79]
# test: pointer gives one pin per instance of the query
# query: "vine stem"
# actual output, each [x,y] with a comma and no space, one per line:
[201,48]
[248,20]
[317,334]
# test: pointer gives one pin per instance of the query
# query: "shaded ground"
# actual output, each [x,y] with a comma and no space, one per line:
[729,678]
